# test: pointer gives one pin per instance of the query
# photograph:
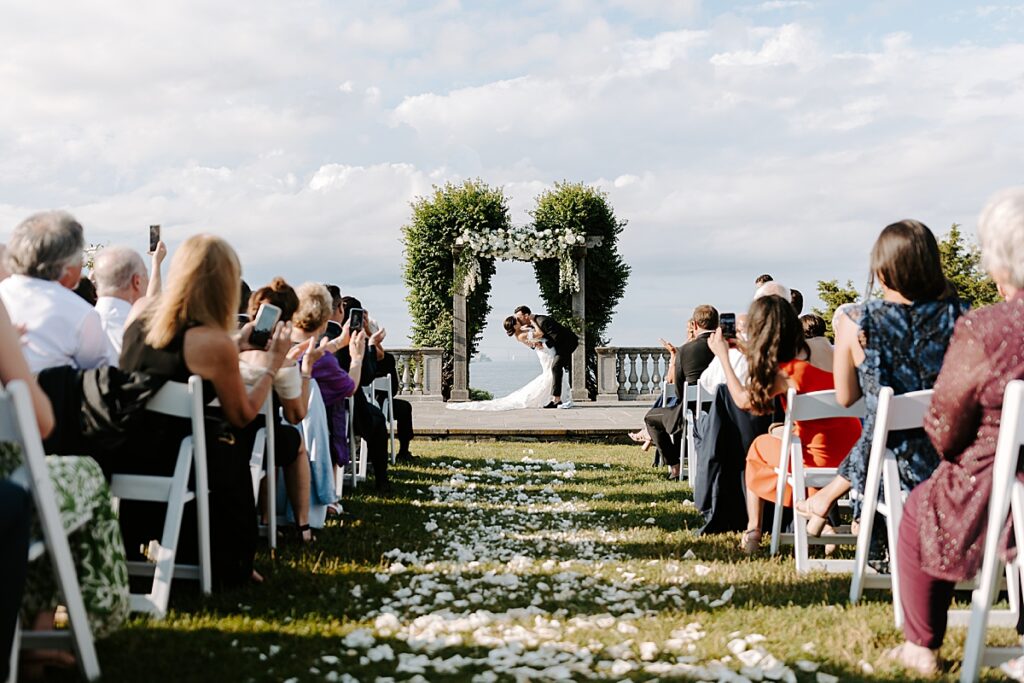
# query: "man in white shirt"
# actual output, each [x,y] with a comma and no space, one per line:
[121,279]
[44,256]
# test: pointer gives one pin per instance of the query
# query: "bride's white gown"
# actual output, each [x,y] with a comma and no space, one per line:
[536,394]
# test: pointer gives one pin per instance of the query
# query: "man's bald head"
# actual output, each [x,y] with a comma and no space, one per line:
[120,272]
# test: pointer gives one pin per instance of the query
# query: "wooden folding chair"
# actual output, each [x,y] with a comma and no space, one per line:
[1007,497]
[817,405]
[184,401]
[18,426]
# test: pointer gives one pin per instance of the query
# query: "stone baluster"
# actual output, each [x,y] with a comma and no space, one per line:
[634,390]
[406,376]
[620,362]
[645,376]
[656,376]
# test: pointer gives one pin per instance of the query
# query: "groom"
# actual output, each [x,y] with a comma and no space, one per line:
[560,338]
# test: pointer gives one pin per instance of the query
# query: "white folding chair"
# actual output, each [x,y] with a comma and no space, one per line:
[184,401]
[357,450]
[1007,496]
[898,413]
[18,426]
[383,385]
[263,453]
[817,405]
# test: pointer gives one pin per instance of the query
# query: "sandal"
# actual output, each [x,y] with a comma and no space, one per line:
[639,437]
[751,541]
[815,522]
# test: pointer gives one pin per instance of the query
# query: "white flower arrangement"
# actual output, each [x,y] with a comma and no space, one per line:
[521,244]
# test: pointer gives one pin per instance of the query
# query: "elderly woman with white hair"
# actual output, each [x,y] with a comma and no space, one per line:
[942,532]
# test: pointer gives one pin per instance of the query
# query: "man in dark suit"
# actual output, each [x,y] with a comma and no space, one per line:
[690,360]
[558,337]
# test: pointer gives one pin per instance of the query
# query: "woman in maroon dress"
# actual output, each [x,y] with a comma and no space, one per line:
[944,522]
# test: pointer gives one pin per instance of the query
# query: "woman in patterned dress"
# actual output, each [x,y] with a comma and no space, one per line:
[897,341]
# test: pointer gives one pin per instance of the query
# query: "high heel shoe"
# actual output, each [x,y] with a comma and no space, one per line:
[815,522]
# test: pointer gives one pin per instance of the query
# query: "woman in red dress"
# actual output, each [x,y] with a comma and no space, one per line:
[779,359]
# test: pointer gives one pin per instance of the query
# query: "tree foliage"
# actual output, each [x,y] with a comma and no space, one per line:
[585,210]
[833,295]
[429,238]
[961,262]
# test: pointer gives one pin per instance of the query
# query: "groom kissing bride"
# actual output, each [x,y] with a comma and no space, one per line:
[553,343]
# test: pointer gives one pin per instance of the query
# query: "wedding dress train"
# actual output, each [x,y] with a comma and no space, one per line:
[536,394]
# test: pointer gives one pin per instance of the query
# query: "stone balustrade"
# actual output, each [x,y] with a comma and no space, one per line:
[630,373]
[419,373]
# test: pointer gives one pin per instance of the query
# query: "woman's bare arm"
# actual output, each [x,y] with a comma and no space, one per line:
[845,361]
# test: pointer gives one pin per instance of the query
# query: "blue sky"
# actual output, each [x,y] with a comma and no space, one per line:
[736,138]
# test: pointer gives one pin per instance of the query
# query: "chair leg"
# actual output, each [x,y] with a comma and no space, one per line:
[12,675]
[163,573]
[894,507]
[803,562]
[780,493]
[869,504]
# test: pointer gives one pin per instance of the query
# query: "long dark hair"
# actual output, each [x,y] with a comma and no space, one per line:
[774,335]
[906,257]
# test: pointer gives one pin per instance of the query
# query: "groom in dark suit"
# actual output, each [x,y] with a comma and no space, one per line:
[558,337]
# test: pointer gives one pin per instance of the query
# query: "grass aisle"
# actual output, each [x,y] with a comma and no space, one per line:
[507,561]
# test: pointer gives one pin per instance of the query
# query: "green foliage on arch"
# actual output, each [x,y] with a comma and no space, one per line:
[579,208]
[437,221]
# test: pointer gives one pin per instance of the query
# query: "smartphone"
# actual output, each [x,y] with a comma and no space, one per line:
[263,327]
[333,330]
[727,321]
[355,320]
[154,237]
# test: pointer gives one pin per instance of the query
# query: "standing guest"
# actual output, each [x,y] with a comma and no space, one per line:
[190,329]
[691,359]
[121,280]
[44,256]
[942,533]
[778,359]
[897,341]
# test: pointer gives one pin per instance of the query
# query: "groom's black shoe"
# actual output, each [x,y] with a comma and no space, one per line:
[552,404]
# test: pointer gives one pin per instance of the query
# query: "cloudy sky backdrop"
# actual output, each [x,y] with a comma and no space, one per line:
[736,138]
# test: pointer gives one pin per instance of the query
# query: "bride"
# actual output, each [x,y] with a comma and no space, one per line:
[535,394]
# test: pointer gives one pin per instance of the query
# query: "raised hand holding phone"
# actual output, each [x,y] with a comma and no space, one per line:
[263,325]
[154,238]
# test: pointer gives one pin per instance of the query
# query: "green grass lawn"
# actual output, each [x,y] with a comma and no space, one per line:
[482,562]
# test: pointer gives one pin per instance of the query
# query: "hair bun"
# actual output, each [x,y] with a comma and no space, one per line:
[278,283]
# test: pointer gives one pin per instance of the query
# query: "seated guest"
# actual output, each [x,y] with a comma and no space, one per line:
[387,367]
[44,256]
[336,385]
[691,360]
[86,291]
[797,299]
[777,359]
[121,279]
[762,280]
[814,334]
[15,513]
[942,533]
[291,399]
[190,329]
[897,341]
[814,326]
[367,419]
[81,490]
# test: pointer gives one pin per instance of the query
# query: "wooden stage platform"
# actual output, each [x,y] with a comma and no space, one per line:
[585,422]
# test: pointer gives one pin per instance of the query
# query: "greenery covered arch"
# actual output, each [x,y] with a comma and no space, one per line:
[457,233]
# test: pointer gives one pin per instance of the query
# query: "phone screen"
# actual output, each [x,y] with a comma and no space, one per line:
[727,321]
[266,318]
[154,237]
[355,320]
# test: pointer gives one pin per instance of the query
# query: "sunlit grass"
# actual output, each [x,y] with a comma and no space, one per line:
[282,629]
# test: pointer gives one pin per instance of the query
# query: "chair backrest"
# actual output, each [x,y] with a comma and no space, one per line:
[819,405]
[18,426]
[179,399]
[691,392]
[668,390]
[382,383]
[1011,427]
[896,413]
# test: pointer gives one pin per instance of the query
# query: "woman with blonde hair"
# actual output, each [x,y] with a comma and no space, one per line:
[189,329]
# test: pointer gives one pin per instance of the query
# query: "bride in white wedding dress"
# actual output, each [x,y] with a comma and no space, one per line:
[537,393]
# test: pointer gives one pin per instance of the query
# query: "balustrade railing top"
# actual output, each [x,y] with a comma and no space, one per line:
[630,373]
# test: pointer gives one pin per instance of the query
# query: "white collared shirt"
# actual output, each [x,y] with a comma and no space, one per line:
[714,374]
[60,327]
[113,314]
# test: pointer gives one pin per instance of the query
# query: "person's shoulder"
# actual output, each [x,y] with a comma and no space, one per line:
[212,340]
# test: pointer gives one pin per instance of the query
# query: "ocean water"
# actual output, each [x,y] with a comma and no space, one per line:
[502,377]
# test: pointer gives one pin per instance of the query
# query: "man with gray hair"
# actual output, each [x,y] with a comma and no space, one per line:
[121,279]
[44,255]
